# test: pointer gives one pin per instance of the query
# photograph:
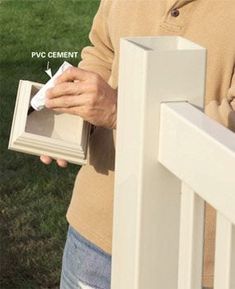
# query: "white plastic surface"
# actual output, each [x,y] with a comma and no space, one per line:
[147,196]
[191,240]
[59,135]
[224,254]
[200,152]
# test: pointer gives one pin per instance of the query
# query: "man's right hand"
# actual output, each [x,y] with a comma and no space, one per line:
[47,160]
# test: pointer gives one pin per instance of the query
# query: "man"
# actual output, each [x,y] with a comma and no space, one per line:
[91,92]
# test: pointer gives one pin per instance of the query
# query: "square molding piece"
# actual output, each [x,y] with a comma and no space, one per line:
[45,132]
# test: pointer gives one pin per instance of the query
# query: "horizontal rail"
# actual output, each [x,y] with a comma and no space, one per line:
[201,153]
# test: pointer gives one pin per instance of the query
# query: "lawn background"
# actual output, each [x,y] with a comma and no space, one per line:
[34,197]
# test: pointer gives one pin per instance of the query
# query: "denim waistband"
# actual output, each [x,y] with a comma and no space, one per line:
[86,261]
[89,244]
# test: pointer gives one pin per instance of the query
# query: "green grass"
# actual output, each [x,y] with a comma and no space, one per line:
[34,198]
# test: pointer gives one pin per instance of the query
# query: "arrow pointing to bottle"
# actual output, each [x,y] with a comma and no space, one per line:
[48,70]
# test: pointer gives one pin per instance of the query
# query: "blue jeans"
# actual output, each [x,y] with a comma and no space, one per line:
[84,265]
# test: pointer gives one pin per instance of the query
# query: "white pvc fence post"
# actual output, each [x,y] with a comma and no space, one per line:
[147,196]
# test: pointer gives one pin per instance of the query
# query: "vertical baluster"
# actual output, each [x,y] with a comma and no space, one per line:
[224,254]
[191,240]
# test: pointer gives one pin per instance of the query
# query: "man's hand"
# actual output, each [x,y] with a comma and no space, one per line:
[86,94]
[47,161]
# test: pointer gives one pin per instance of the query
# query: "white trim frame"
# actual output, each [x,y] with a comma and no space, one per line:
[33,143]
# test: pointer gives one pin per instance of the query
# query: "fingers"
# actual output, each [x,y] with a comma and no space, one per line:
[73,73]
[66,95]
[47,161]
[69,110]
[62,163]
[66,101]
[65,88]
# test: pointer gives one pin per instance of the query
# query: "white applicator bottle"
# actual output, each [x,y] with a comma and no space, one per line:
[38,101]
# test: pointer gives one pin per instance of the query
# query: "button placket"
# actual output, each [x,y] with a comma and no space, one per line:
[177,16]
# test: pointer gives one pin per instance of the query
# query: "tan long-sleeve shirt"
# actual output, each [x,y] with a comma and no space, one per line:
[211,24]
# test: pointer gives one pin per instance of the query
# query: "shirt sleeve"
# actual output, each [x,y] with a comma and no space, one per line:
[98,57]
[225,111]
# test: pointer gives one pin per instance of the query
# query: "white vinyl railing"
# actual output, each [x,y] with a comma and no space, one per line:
[170,159]
[201,153]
